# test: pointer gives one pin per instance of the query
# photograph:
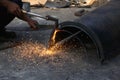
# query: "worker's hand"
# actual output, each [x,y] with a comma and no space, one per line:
[13,8]
[32,24]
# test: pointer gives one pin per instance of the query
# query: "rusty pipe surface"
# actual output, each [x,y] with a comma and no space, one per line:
[102,26]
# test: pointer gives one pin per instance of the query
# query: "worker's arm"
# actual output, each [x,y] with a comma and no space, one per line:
[14,9]
[31,22]
[3,2]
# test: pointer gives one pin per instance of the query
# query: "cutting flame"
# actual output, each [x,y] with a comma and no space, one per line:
[31,49]
[54,35]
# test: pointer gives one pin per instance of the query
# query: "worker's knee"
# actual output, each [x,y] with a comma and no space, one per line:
[19,2]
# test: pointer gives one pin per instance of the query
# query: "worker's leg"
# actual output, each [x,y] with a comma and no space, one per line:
[5,19]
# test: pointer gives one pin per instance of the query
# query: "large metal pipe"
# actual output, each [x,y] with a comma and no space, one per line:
[102,26]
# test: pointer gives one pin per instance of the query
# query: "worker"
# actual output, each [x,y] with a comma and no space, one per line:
[9,9]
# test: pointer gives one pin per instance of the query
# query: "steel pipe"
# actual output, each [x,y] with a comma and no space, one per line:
[102,26]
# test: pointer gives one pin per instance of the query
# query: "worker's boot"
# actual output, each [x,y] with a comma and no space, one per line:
[7,36]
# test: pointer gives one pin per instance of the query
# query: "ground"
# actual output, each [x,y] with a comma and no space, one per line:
[66,65]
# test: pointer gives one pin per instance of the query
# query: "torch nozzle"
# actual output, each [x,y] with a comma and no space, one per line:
[48,17]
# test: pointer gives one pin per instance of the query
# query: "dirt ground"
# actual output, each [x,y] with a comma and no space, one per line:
[65,65]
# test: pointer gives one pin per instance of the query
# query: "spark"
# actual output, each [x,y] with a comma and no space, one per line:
[54,35]
[32,49]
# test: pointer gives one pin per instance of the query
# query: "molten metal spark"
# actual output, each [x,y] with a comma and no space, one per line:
[54,35]
[32,54]
[32,49]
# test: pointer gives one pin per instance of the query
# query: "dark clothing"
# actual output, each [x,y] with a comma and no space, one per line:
[5,16]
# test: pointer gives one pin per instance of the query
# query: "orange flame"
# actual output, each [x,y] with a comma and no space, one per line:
[30,49]
[54,35]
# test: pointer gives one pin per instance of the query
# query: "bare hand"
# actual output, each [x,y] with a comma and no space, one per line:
[32,24]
